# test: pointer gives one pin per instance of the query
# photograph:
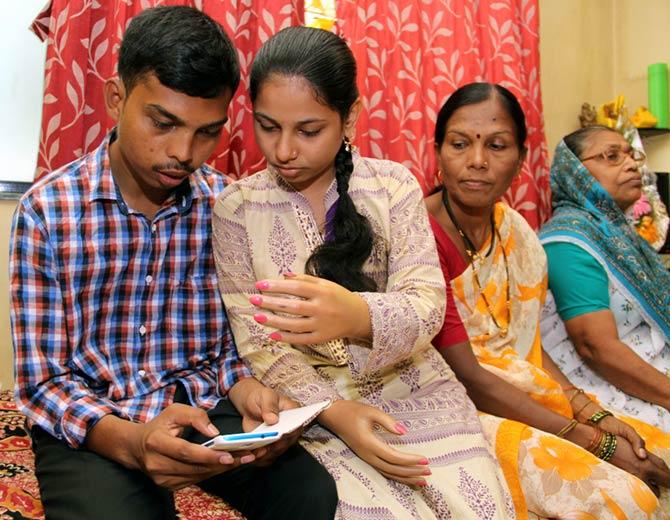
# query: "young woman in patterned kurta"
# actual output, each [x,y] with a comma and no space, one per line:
[330,276]
[498,295]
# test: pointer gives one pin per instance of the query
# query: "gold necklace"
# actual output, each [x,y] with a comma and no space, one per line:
[508,301]
[474,255]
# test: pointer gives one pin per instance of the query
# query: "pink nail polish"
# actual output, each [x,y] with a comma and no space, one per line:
[424,462]
[260,318]
[256,300]
[427,472]
[422,483]
[262,285]
[400,428]
[275,336]
[289,274]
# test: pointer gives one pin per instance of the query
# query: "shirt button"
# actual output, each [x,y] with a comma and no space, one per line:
[143,330]
[141,373]
[153,228]
[149,278]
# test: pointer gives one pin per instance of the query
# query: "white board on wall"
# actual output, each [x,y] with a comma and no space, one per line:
[21,85]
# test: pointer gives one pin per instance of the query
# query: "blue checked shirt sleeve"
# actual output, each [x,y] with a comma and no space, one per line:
[48,392]
[231,368]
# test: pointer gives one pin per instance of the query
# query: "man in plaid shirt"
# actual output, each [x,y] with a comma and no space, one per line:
[124,359]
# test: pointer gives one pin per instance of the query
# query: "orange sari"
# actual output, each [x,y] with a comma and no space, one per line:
[547,476]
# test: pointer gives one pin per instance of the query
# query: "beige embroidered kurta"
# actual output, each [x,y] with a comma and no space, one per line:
[262,228]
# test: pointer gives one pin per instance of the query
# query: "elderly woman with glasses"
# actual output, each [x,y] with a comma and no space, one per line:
[608,323]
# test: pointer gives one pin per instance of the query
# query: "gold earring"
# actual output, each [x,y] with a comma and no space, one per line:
[347,144]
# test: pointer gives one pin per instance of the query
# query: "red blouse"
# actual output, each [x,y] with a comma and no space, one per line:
[453,265]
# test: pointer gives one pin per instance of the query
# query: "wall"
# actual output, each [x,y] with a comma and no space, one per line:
[640,37]
[593,50]
[21,83]
[575,60]
[7,208]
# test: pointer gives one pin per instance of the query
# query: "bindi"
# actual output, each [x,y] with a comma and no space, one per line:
[479,136]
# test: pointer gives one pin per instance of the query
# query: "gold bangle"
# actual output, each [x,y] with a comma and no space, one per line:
[579,391]
[595,440]
[567,428]
[576,414]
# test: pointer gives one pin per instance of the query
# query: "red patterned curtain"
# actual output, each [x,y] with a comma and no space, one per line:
[412,54]
[83,38]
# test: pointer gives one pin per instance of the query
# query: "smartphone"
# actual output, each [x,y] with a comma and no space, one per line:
[242,441]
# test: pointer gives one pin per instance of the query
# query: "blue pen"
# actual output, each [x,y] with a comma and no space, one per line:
[242,437]
[249,436]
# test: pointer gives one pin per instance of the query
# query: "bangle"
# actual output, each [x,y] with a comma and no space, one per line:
[576,414]
[599,416]
[595,440]
[569,387]
[567,428]
[579,391]
[601,445]
[607,447]
[609,455]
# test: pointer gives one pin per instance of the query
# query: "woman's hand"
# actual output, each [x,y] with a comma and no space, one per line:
[259,404]
[652,470]
[355,423]
[584,407]
[323,310]
[621,429]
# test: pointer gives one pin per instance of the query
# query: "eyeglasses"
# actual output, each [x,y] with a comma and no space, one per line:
[616,156]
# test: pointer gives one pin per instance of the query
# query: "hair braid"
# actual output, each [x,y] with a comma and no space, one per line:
[341,260]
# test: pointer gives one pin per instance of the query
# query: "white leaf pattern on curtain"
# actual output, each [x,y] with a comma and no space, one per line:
[413,53]
[83,38]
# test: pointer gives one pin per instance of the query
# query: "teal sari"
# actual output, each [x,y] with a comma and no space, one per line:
[587,216]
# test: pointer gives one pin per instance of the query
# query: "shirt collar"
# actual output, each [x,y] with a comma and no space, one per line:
[103,186]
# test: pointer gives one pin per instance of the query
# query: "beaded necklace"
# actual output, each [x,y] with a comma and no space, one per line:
[473,255]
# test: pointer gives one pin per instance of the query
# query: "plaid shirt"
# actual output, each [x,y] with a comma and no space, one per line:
[110,309]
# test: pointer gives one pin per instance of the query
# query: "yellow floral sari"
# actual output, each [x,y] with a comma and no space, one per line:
[548,477]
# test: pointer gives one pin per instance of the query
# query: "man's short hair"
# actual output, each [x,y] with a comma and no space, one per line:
[187,51]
